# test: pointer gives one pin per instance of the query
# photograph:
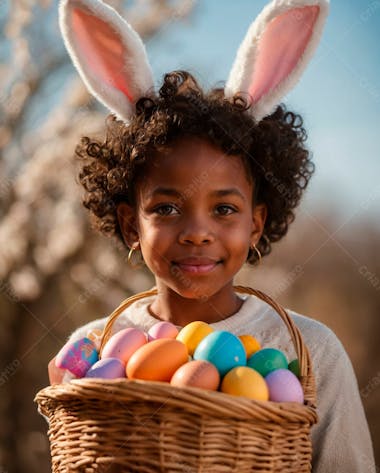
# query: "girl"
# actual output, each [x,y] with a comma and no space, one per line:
[198,183]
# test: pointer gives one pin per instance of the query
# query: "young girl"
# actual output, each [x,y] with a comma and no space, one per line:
[189,180]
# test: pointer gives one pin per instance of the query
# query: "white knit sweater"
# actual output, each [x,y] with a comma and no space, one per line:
[341,439]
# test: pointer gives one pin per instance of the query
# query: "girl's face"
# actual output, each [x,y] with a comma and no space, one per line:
[194,219]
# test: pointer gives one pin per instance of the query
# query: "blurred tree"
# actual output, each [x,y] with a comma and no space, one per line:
[53,269]
[56,274]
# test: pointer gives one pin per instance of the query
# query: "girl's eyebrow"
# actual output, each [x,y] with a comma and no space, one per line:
[176,193]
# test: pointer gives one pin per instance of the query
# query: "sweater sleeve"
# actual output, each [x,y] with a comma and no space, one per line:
[341,438]
[84,330]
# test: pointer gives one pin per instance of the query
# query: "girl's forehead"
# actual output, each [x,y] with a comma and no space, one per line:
[195,160]
[188,159]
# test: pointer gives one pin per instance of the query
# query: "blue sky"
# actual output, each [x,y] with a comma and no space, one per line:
[338,95]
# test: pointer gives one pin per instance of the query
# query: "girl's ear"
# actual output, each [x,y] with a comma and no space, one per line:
[276,49]
[259,215]
[127,221]
[108,54]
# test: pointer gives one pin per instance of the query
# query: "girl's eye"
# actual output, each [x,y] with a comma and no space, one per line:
[225,209]
[165,209]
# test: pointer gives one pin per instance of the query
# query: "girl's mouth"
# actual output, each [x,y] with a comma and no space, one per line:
[196,265]
[196,268]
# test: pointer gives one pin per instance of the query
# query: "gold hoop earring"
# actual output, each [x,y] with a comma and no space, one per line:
[134,264]
[257,252]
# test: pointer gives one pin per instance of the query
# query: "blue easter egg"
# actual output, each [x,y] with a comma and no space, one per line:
[222,349]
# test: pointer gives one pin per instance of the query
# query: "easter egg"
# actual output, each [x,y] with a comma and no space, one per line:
[123,344]
[96,336]
[244,381]
[108,368]
[284,386]
[157,360]
[162,330]
[294,367]
[222,349]
[196,373]
[250,343]
[77,357]
[193,333]
[266,360]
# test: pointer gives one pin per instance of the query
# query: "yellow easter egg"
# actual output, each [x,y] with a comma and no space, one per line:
[95,335]
[244,381]
[193,333]
[250,343]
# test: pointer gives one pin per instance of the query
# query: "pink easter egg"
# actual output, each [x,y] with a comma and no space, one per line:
[284,386]
[123,344]
[107,368]
[77,357]
[162,330]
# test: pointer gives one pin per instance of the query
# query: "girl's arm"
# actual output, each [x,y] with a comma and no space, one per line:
[55,374]
[341,439]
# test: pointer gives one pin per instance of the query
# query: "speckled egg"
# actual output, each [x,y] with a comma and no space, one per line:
[197,373]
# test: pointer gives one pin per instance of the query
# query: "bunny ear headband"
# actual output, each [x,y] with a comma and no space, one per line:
[111,58]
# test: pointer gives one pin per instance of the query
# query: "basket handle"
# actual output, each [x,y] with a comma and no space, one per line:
[306,374]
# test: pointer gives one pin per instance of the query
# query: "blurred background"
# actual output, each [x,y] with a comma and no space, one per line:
[56,273]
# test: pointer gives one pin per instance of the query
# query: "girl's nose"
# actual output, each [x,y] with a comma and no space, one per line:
[196,232]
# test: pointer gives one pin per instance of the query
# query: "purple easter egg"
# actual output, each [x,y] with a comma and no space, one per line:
[77,357]
[284,386]
[108,368]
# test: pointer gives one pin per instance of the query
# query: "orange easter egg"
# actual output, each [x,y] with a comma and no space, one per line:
[157,360]
[197,373]
[250,343]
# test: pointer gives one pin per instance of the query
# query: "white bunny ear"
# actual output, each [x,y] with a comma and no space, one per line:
[276,49]
[108,54]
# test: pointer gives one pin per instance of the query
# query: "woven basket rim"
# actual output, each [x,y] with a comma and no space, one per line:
[202,400]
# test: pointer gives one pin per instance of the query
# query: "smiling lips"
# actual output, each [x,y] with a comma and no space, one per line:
[196,265]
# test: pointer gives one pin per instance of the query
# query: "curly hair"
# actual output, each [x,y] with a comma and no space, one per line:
[272,150]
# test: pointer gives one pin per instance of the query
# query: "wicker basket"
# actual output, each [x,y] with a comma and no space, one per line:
[145,427]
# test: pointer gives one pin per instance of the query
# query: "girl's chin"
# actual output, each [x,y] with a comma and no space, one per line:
[195,292]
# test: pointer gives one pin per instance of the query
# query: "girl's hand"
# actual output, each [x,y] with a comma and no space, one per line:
[55,374]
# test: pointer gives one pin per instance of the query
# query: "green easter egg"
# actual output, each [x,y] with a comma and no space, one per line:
[266,360]
[294,367]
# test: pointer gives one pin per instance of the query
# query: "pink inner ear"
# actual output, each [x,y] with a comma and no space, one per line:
[101,49]
[281,47]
